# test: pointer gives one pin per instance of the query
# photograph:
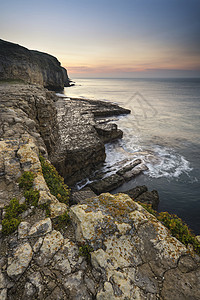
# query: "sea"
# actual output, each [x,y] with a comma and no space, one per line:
[163,130]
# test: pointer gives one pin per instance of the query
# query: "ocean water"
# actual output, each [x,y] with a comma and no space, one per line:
[163,130]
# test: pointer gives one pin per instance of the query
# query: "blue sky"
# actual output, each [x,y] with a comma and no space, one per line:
[130,38]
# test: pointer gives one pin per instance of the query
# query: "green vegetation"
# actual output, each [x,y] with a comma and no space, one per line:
[12,219]
[14,209]
[177,227]
[61,221]
[26,180]
[32,197]
[54,181]
[85,250]
[46,207]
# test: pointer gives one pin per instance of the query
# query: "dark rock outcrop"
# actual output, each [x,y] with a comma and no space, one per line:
[142,195]
[19,63]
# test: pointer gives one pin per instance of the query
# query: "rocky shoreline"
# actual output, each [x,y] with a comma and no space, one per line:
[112,248]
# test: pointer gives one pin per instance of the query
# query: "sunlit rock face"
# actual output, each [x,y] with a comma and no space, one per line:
[135,253]
[17,62]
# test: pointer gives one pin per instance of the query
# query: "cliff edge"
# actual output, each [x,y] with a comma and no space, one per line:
[111,248]
[19,63]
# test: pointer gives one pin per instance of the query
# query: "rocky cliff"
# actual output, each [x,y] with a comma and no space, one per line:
[17,62]
[111,249]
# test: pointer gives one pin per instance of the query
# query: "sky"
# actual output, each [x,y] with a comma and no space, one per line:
[112,38]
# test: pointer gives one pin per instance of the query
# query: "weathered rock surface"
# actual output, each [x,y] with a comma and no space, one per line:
[135,254]
[17,62]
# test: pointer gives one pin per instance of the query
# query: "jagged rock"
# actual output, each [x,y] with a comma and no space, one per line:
[61,263]
[71,251]
[23,230]
[20,260]
[51,244]
[36,280]
[75,287]
[41,228]
[57,208]
[133,251]
[31,66]
[38,245]
[106,184]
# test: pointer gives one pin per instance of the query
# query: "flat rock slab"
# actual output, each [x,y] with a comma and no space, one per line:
[135,254]
[20,260]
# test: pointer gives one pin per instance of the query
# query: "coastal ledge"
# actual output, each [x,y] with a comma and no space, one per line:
[112,248]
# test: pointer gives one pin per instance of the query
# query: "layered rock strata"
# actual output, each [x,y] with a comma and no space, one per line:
[17,62]
[83,136]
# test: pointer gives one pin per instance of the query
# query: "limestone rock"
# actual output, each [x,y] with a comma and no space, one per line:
[133,251]
[23,229]
[36,280]
[51,244]
[38,244]
[20,260]
[57,208]
[41,228]
[75,287]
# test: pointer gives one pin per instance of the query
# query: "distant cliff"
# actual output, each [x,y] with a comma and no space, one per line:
[17,62]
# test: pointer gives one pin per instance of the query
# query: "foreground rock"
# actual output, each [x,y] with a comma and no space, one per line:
[17,62]
[135,254]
